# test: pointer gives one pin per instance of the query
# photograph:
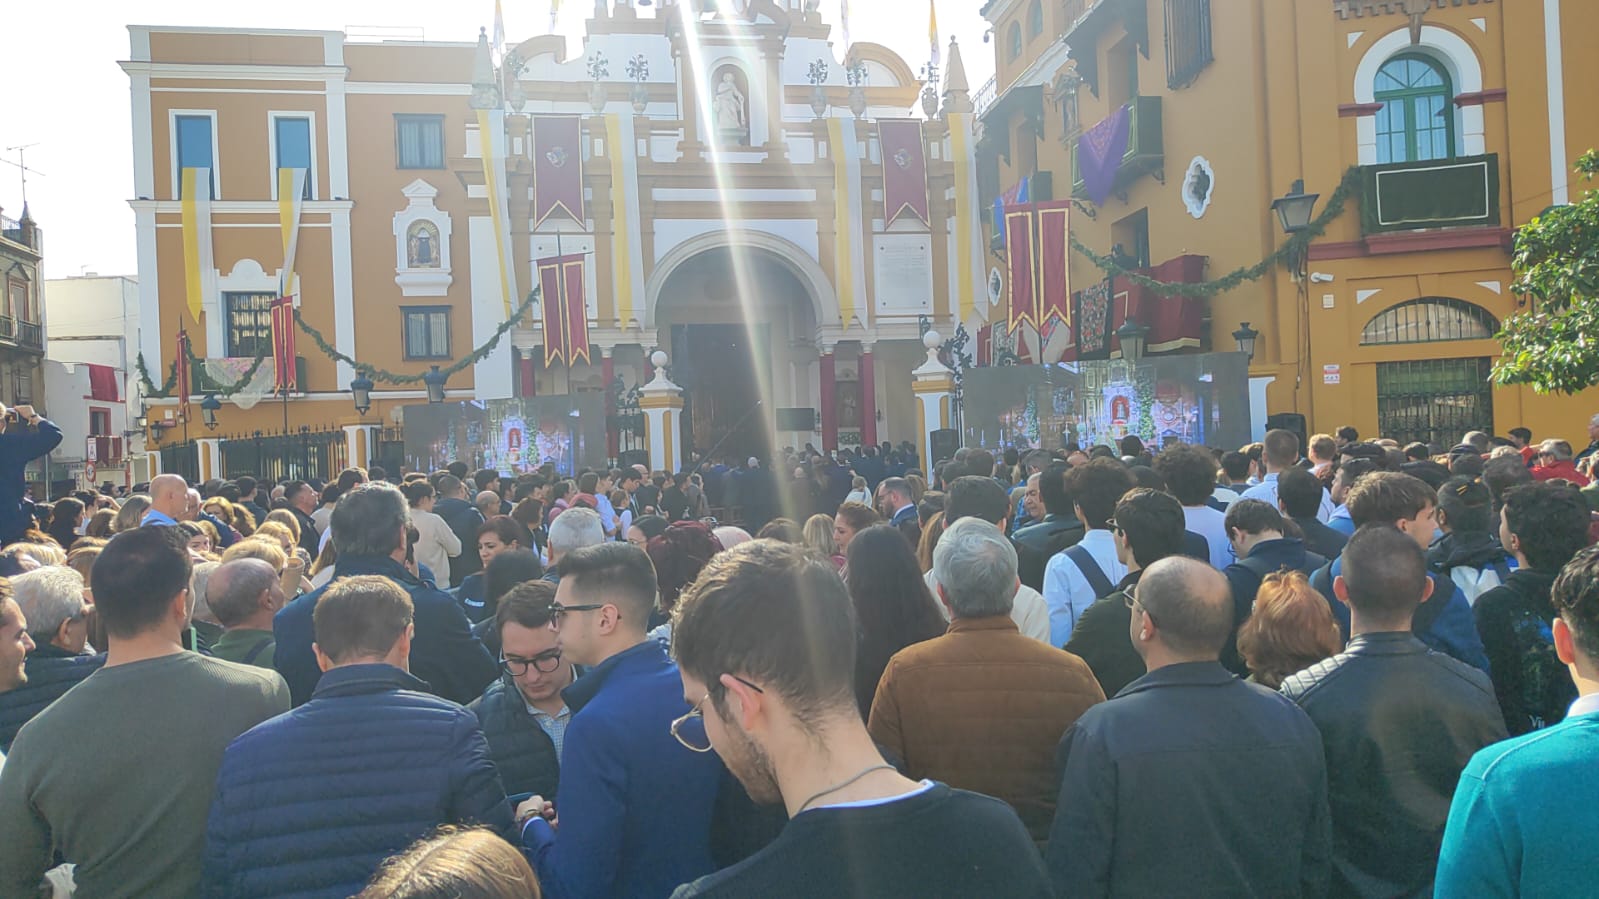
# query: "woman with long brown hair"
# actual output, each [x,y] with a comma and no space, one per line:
[893,608]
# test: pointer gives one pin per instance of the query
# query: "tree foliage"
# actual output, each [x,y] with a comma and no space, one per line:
[1554,346]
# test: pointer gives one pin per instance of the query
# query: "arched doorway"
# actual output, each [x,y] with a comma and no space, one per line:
[738,320]
[1441,389]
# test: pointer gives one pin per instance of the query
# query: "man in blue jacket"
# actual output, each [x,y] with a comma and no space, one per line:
[1444,622]
[376,763]
[369,536]
[635,805]
[24,436]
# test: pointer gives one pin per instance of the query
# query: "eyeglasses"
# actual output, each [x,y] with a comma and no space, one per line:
[557,610]
[1111,523]
[544,663]
[1131,599]
[690,729]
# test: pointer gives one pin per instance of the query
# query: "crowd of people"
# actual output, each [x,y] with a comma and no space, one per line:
[1308,667]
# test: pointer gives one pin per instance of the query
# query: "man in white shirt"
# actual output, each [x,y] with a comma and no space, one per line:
[1080,574]
[1281,452]
[435,542]
[1190,473]
[982,498]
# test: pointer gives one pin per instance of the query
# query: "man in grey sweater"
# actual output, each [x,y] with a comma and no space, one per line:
[118,774]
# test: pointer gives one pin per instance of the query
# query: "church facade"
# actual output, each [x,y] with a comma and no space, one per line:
[728,187]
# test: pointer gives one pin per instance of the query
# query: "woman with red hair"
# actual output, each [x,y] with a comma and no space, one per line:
[1290,630]
[679,554]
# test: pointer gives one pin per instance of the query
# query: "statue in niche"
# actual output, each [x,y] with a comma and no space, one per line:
[729,109]
[422,246]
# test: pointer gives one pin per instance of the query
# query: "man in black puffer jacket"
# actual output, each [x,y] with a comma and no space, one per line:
[51,599]
[522,714]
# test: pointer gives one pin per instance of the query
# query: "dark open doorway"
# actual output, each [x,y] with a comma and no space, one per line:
[721,369]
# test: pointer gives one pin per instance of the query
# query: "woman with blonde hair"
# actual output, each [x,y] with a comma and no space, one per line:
[1290,629]
[131,515]
[289,566]
[81,560]
[103,524]
[287,519]
[818,538]
[455,863]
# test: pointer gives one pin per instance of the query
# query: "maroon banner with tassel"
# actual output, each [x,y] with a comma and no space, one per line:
[904,169]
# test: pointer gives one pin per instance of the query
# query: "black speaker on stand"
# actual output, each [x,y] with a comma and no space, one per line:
[1291,421]
[943,443]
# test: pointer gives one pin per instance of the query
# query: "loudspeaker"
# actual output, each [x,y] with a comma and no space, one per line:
[944,442]
[1291,421]
[796,420]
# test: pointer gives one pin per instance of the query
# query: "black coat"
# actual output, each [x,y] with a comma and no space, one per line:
[521,749]
[1037,543]
[1321,539]
[463,519]
[1101,639]
[1398,724]
[1533,686]
[51,672]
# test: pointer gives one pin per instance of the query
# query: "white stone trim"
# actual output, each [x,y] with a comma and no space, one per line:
[422,282]
[1554,72]
[272,149]
[1456,55]
[343,294]
[216,153]
[824,302]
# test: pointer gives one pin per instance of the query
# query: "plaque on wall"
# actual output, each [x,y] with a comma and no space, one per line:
[903,273]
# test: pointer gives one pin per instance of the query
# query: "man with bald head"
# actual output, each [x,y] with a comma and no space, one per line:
[1223,780]
[169,500]
[244,594]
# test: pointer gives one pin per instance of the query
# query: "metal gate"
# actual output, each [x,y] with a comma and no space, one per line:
[297,455]
[182,459]
[1434,401]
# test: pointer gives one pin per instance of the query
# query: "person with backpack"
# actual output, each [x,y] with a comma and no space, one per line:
[1468,553]
[1444,621]
[1544,525]
[1084,572]
[1258,536]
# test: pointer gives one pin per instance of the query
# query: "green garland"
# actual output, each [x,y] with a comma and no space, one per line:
[147,384]
[1297,244]
[389,377]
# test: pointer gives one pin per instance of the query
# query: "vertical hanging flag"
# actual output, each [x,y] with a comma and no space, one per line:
[195,192]
[843,247]
[184,387]
[291,200]
[557,167]
[904,169]
[1021,243]
[577,313]
[621,253]
[1054,268]
[498,41]
[961,141]
[553,301]
[494,186]
[563,294]
[843,23]
[283,349]
[555,12]
[932,31]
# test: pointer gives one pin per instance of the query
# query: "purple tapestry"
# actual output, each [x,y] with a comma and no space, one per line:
[1100,151]
[1093,322]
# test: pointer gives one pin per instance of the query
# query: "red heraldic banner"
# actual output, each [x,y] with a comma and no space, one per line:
[283,350]
[183,386]
[1021,241]
[904,169]
[557,167]
[566,321]
[1054,267]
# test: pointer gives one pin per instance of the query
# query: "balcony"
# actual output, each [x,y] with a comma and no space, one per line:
[8,328]
[103,450]
[201,383]
[1146,152]
[1440,193]
[30,334]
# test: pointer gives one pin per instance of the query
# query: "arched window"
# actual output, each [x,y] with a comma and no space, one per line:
[1035,19]
[1429,320]
[1015,41]
[1417,119]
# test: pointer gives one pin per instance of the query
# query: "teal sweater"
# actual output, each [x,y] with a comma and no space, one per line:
[1523,817]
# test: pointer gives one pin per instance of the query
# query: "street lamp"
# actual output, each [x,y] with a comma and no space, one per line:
[1132,334]
[435,384]
[1245,335]
[1294,211]
[208,411]
[361,389]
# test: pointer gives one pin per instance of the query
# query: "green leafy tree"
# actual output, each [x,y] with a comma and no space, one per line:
[1555,345]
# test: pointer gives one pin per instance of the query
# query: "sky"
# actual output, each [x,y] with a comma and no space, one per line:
[68,98]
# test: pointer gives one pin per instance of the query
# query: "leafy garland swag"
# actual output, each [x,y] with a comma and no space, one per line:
[1295,245]
[377,374]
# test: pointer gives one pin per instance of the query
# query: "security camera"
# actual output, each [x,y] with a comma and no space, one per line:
[1320,278]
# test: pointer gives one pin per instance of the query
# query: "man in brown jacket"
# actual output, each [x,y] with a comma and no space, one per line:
[982,708]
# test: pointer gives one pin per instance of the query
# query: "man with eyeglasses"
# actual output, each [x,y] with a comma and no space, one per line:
[635,804]
[1222,781]
[523,714]
[781,712]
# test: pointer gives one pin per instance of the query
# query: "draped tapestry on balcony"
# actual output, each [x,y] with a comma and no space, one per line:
[1099,153]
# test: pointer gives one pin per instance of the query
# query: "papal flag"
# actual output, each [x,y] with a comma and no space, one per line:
[843,23]
[195,194]
[291,202]
[555,13]
[932,31]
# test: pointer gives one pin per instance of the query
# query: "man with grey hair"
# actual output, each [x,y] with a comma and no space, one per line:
[487,503]
[52,601]
[573,529]
[982,707]
[1553,461]
[369,536]
[1585,459]
[244,594]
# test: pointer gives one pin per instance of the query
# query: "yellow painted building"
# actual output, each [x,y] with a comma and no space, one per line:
[1451,114]
[732,178]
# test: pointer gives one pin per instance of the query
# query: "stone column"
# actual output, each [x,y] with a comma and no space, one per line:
[868,398]
[933,385]
[358,445]
[613,438]
[662,405]
[210,452]
[827,399]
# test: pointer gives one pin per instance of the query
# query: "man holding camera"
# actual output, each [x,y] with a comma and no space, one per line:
[24,436]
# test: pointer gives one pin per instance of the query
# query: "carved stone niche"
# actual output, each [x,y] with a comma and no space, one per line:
[422,244]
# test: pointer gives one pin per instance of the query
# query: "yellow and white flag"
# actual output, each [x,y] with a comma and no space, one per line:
[932,31]
[494,183]
[555,13]
[291,200]
[195,197]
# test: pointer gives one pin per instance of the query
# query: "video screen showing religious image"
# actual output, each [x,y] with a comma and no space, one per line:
[1198,399]
[513,435]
